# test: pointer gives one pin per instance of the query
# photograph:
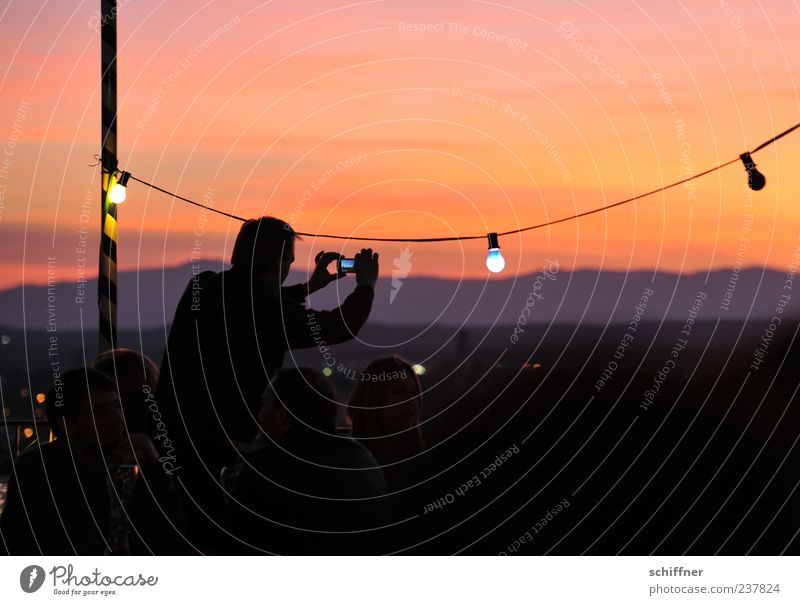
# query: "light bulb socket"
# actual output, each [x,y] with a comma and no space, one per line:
[123,178]
[493,241]
[748,162]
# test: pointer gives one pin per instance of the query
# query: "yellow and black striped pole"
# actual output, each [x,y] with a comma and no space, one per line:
[107,280]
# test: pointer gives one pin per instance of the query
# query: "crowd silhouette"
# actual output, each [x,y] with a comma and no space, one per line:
[222,450]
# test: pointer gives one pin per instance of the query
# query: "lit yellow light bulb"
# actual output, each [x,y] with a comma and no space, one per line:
[118,189]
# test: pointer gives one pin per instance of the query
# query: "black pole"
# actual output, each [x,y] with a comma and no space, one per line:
[107,279]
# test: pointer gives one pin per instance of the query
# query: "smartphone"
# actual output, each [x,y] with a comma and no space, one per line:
[346,265]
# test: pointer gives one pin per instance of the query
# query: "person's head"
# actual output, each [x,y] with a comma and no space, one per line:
[298,398]
[136,376]
[386,400]
[83,407]
[265,247]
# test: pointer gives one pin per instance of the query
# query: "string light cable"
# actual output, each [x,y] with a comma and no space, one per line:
[755,180]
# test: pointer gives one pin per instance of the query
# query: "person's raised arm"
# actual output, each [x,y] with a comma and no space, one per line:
[320,278]
[297,292]
[308,327]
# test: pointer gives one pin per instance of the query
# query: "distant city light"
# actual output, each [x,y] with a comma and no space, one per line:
[28,432]
[23,392]
[40,397]
[419,369]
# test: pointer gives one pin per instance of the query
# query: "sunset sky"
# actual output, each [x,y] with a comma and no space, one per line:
[406,119]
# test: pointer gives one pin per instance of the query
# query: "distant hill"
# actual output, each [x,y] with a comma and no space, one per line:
[147,298]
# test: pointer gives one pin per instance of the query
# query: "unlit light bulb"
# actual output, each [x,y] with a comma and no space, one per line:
[494,261]
[118,189]
[755,180]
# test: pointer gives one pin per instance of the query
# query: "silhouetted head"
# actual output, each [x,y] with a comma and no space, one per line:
[298,398]
[83,406]
[386,400]
[136,377]
[265,247]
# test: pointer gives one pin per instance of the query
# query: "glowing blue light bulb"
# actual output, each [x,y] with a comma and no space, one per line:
[494,261]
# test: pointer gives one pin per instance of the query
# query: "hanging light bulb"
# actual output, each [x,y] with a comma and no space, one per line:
[117,193]
[494,261]
[755,180]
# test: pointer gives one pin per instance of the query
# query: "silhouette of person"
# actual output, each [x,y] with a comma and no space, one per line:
[136,376]
[385,410]
[74,495]
[136,379]
[306,490]
[230,334]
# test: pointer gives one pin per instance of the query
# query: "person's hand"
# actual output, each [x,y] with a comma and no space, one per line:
[142,453]
[366,267]
[321,277]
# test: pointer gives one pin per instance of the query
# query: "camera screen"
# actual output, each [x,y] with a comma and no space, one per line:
[347,263]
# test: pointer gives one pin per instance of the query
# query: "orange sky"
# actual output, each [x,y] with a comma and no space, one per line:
[415,119]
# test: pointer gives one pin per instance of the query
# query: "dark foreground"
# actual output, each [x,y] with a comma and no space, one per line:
[567,441]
